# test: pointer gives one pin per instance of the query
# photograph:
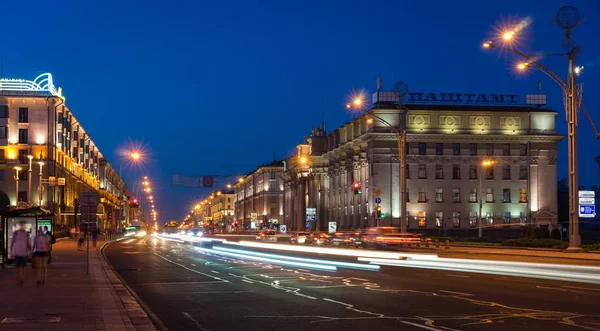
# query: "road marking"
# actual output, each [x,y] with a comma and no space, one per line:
[461,276]
[583,288]
[193,264]
[421,326]
[458,293]
[247,281]
[216,272]
[180,283]
[192,270]
[178,259]
[563,290]
[188,316]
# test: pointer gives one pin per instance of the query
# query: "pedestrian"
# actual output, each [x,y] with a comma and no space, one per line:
[80,240]
[20,247]
[74,232]
[41,248]
[95,236]
[52,242]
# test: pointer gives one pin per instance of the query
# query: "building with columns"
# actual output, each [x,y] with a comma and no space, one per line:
[40,135]
[446,145]
[260,194]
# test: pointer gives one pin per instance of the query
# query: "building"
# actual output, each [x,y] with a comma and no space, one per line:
[221,210]
[40,138]
[258,196]
[446,145]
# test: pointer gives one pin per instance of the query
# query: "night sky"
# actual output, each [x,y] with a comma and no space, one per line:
[219,87]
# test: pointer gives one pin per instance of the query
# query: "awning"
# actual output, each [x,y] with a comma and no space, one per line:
[35,211]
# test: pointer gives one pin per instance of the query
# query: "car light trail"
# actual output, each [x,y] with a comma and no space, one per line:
[291,258]
[555,272]
[331,251]
[270,260]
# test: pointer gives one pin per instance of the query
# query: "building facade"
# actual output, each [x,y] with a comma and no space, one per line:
[40,135]
[258,196]
[221,210]
[446,145]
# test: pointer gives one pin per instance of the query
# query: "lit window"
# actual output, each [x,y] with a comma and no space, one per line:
[506,218]
[439,171]
[522,195]
[422,219]
[455,195]
[439,195]
[456,219]
[490,218]
[506,195]
[439,218]
[489,195]
[522,219]
[473,219]
[473,195]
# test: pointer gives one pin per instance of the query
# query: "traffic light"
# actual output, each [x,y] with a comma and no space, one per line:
[134,203]
[356,188]
[378,212]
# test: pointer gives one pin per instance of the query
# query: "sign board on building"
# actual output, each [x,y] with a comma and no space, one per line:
[332,227]
[42,223]
[587,211]
[587,194]
[311,214]
[61,181]
[253,217]
[282,229]
[587,201]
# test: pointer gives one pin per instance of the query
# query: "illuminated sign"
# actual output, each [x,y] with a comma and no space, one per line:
[463,98]
[41,84]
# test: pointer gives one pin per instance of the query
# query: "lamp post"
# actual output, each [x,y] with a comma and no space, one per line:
[135,156]
[567,18]
[17,169]
[484,165]
[30,157]
[41,187]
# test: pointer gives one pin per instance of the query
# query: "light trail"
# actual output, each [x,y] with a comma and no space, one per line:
[291,258]
[269,260]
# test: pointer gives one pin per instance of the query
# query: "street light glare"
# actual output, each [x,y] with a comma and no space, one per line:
[357,101]
[508,35]
[369,121]
[303,160]
[135,156]
[521,66]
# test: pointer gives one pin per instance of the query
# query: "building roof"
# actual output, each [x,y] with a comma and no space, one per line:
[474,108]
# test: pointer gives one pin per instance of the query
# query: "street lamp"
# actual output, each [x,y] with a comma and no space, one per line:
[30,157]
[567,18]
[41,187]
[134,156]
[484,165]
[17,169]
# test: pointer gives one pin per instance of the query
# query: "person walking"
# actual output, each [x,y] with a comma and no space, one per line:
[80,240]
[20,247]
[41,248]
[52,242]
[95,236]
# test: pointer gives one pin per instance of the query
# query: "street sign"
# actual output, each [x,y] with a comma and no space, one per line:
[587,211]
[311,214]
[587,194]
[282,229]
[378,200]
[253,217]
[332,227]
[61,182]
[587,201]
[51,180]
[377,192]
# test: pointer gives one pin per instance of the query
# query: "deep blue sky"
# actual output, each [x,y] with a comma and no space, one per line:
[218,87]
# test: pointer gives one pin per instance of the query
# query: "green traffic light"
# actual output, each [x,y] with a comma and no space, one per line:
[382,215]
[359,192]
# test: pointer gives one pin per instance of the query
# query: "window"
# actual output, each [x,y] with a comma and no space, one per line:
[272,175]
[489,150]
[273,199]
[422,149]
[506,149]
[439,149]
[439,195]
[1,175]
[523,149]
[456,219]
[422,219]
[506,195]
[473,171]
[439,219]
[489,218]
[407,195]
[23,115]
[523,195]
[522,219]
[489,172]
[473,219]
[3,111]
[473,195]
[23,135]
[23,156]
[407,171]
[23,196]
[439,171]
[473,149]
[3,132]
[489,195]
[522,172]
[272,211]
[456,171]
[455,149]
[422,171]
[455,195]
[228,199]
[506,218]
[506,171]
[422,195]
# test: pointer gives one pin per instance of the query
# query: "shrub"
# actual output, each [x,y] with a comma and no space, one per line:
[536,243]
[555,234]
[590,247]
[480,240]
[529,232]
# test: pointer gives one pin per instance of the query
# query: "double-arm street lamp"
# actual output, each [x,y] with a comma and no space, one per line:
[567,18]
[484,165]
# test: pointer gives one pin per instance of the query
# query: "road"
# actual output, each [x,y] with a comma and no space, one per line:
[192,289]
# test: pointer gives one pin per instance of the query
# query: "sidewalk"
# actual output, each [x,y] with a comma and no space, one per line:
[70,299]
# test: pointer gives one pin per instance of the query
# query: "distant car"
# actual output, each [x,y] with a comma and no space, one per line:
[267,235]
[299,237]
[319,239]
[380,237]
[348,239]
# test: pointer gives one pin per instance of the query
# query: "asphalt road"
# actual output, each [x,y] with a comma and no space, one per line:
[188,289]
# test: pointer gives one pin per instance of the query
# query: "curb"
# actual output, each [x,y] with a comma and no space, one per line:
[157,322]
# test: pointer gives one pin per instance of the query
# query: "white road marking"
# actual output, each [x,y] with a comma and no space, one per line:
[216,272]
[420,326]
[192,270]
[188,316]
[193,264]
[459,293]
[247,281]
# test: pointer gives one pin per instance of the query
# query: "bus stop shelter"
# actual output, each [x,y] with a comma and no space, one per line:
[34,218]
